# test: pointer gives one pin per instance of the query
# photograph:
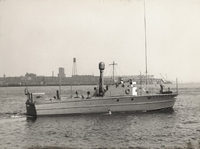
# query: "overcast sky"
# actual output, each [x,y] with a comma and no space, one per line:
[38,36]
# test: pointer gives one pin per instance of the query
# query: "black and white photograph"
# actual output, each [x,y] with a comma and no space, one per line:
[99,74]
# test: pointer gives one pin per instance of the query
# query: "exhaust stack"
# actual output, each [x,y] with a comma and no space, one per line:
[101,82]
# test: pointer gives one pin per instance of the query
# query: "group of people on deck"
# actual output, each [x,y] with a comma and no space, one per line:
[132,86]
[131,90]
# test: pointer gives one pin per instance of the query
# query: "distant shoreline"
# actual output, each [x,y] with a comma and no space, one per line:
[89,84]
[48,85]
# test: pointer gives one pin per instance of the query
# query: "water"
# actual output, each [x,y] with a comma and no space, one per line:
[180,128]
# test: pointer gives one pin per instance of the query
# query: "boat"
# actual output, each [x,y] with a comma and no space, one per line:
[119,97]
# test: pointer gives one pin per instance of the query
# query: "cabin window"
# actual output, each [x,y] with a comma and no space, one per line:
[132,99]
[117,100]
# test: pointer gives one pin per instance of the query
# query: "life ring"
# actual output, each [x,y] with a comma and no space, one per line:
[127,91]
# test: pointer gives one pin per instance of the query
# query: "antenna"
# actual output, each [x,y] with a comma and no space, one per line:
[74,68]
[140,83]
[113,64]
[145,34]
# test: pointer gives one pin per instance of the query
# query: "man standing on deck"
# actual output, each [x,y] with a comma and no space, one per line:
[134,88]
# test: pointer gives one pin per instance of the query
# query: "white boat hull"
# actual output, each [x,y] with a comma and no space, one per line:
[104,105]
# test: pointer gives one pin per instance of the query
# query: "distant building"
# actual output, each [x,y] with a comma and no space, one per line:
[30,76]
[61,72]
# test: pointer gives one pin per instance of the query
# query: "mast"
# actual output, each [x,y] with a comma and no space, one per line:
[113,64]
[145,36]
[140,83]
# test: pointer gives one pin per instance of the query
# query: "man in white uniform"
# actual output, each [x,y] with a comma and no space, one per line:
[134,89]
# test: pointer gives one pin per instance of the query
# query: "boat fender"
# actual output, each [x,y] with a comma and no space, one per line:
[127,91]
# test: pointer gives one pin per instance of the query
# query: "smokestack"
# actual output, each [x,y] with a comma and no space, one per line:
[74,68]
[101,83]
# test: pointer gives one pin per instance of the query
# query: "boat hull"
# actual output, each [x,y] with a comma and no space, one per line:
[104,105]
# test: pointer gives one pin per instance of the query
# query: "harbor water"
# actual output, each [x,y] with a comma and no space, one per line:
[178,128]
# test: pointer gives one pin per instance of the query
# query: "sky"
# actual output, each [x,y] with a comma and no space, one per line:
[38,36]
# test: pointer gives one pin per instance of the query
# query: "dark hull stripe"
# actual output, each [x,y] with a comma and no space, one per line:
[108,105]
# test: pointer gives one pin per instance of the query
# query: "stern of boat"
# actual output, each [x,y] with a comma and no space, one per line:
[30,109]
[30,105]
